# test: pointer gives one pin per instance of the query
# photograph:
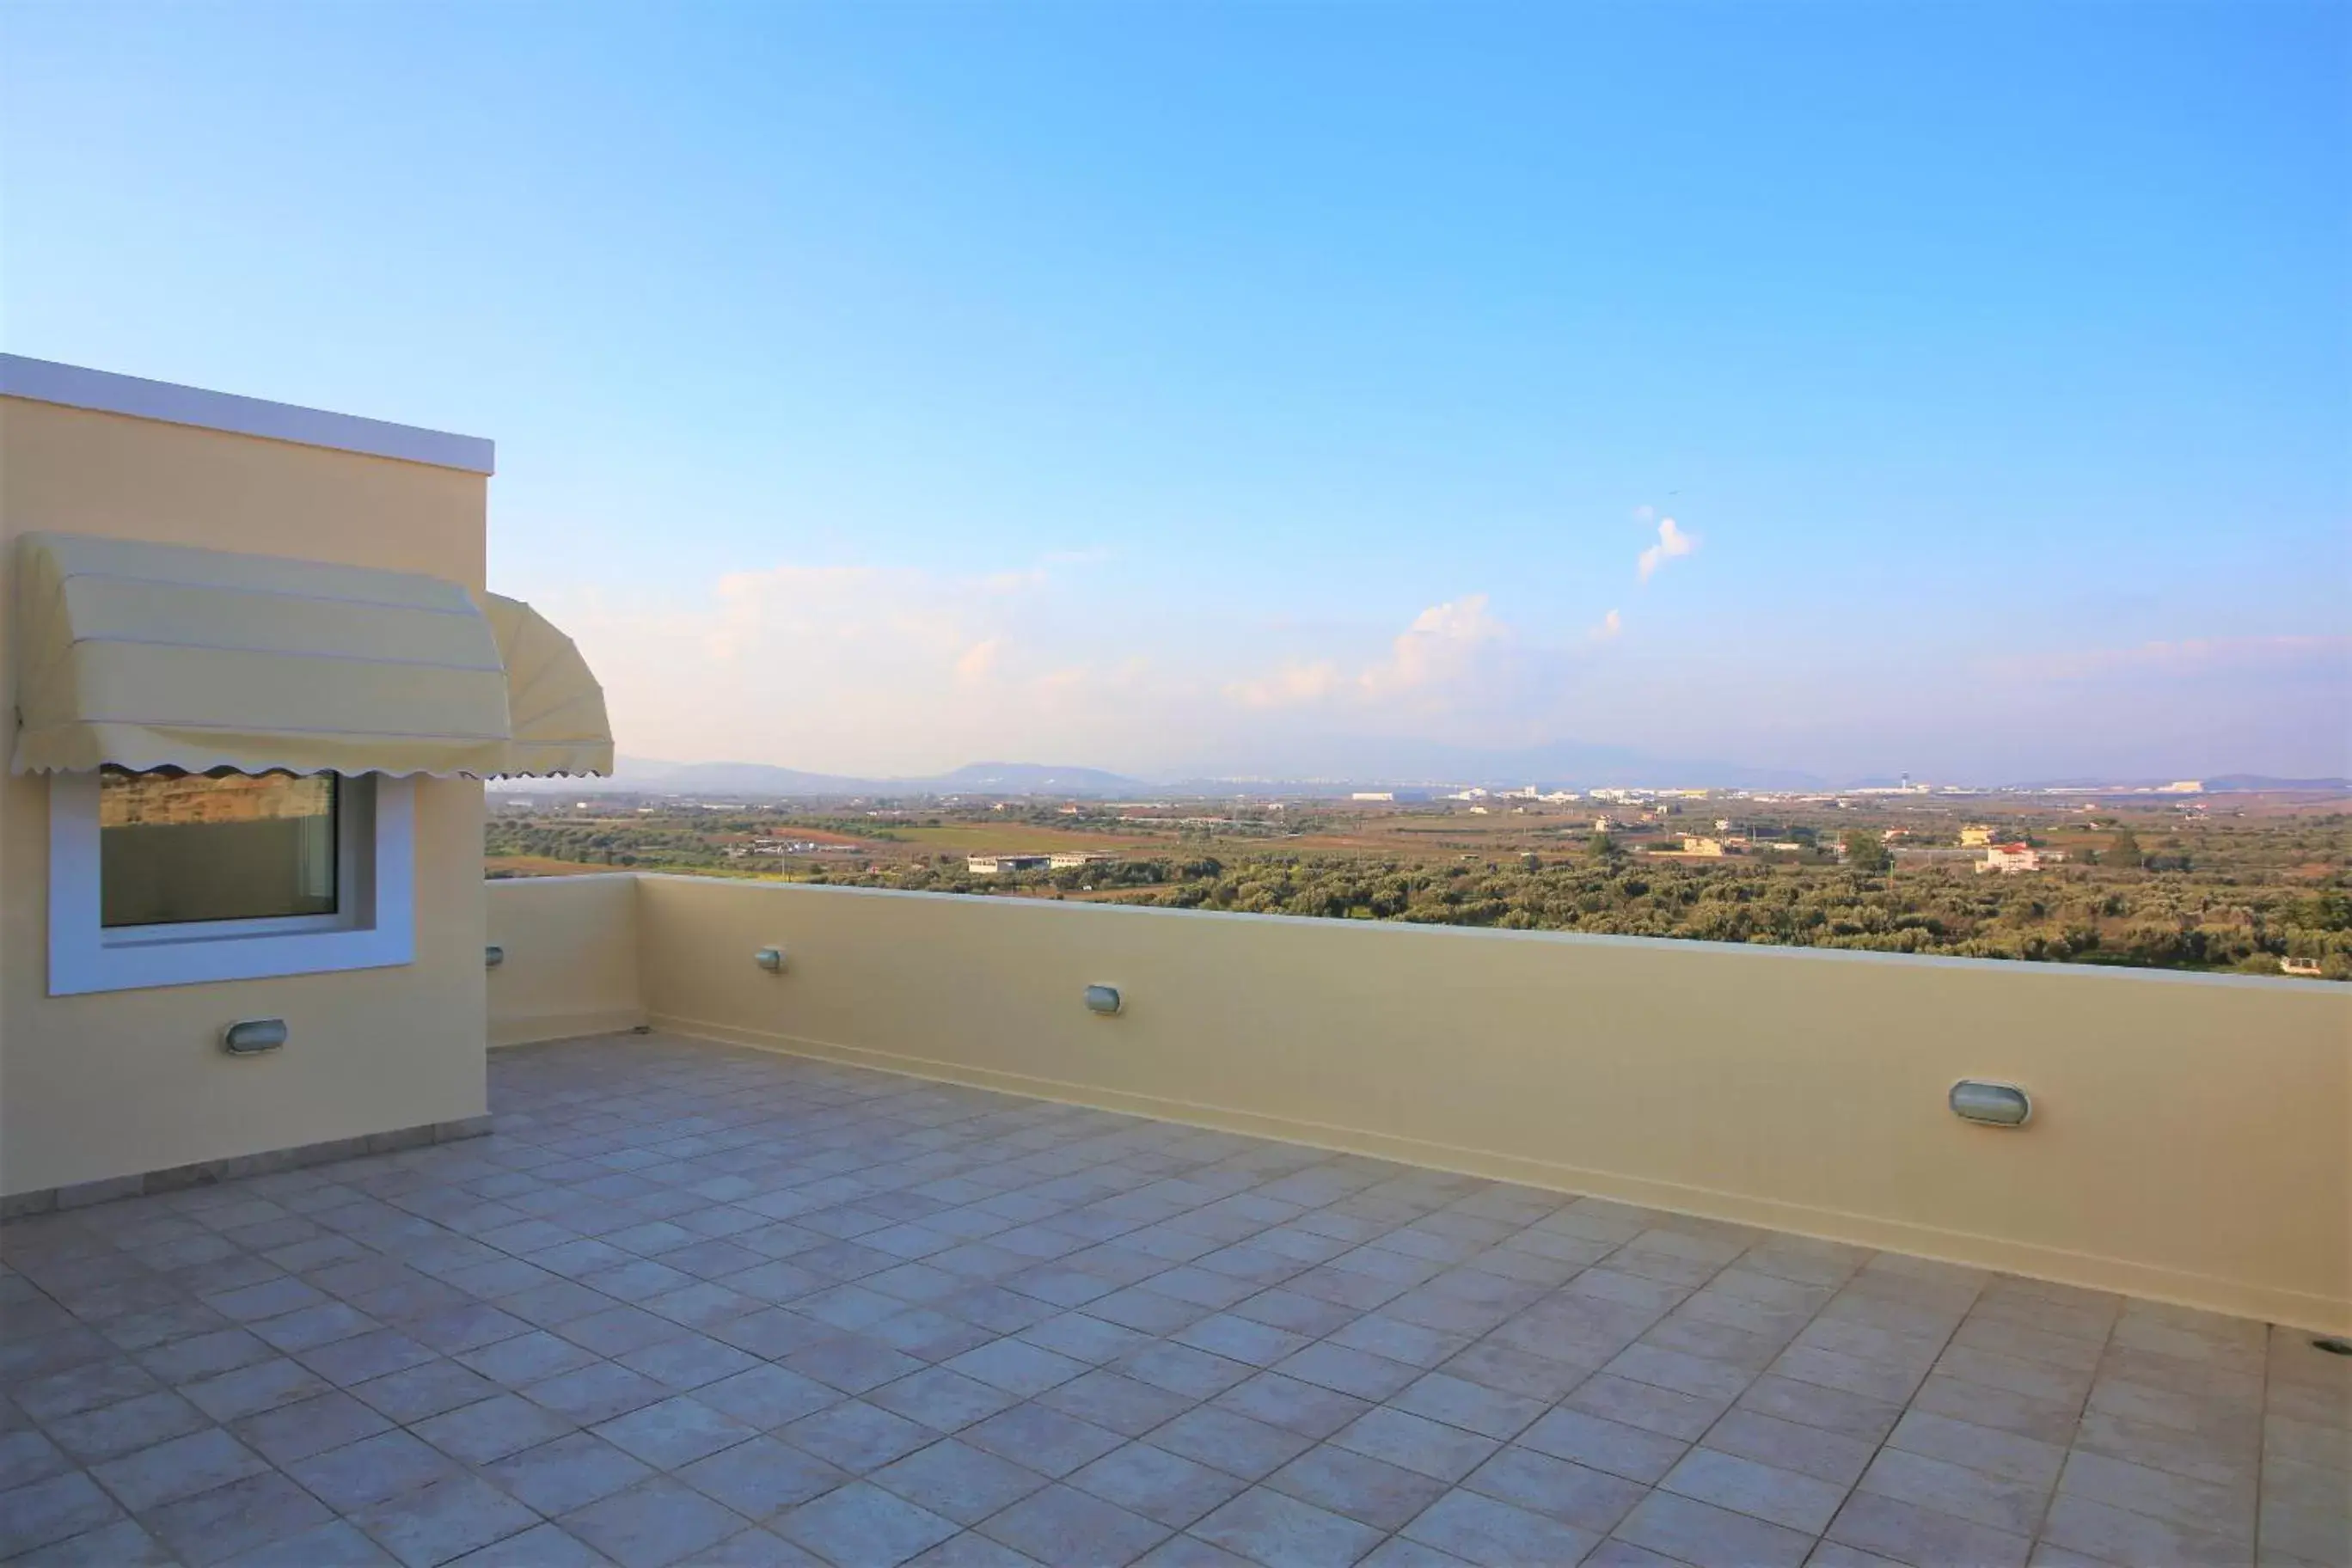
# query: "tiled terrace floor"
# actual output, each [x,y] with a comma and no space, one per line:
[705,1306]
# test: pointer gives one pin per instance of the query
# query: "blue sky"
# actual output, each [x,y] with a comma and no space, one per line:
[1274,388]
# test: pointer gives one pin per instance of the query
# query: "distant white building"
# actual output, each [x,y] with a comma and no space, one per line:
[1374,795]
[1069,859]
[1001,865]
[2010,858]
[1695,844]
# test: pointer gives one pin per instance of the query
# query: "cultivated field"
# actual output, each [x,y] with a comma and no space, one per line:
[2261,884]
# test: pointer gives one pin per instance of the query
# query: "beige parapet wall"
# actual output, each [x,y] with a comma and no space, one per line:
[2191,1138]
[568,957]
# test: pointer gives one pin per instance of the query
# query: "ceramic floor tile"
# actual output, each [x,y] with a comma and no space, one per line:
[114,1430]
[1416,1443]
[1063,1524]
[862,1526]
[178,1468]
[1370,1491]
[372,1470]
[1472,1406]
[1229,1441]
[761,1476]
[1997,1502]
[1907,1533]
[1041,1438]
[53,1510]
[308,1426]
[940,1399]
[443,1520]
[771,1277]
[768,1396]
[652,1524]
[1575,1494]
[491,1429]
[1760,1491]
[1808,1450]
[1706,1536]
[541,1546]
[958,1481]
[243,1517]
[1268,1528]
[1605,1446]
[1160,1485]
[857,1436]
[676,1431]
[569,1472]
[1484,1530]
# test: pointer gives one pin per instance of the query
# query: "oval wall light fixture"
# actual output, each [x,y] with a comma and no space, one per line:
[1992,1104]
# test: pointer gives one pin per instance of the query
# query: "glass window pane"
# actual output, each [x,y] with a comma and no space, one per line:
[173,847]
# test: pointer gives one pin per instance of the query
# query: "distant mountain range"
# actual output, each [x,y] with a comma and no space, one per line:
[765,779]
[2238,783]
[1567,764]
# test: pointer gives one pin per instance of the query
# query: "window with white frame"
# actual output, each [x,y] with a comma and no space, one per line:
[171,877]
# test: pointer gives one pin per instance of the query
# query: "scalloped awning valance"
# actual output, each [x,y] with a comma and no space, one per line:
[152,656]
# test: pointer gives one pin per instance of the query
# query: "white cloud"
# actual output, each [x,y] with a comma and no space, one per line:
[1292,686]
[979,661]
[1441,645]
[886,670]
[875,670]
[865,670]
[1671,542]
[1442,648]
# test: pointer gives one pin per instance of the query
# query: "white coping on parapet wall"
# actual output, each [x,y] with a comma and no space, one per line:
[77,386]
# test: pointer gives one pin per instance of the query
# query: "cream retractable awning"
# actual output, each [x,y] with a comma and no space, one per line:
[153,656]
[554,707]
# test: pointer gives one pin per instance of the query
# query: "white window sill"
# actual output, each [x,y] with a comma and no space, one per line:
[378,931]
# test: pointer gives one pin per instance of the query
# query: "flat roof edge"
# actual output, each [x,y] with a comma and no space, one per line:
[105,391]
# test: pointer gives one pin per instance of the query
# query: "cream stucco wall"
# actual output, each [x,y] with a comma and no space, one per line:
[2192,1138]
[106,1085]
[570,963]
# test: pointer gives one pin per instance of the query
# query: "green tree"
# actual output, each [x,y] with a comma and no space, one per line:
[2123,849]
[1602,845]
[1865,851]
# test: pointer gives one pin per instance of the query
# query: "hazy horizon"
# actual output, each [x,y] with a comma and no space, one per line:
[1841,389]
[1064,776]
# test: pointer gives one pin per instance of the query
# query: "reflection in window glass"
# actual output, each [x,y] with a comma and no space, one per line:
[174,847]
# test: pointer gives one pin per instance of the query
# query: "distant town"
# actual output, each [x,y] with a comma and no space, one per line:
[2250,876]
